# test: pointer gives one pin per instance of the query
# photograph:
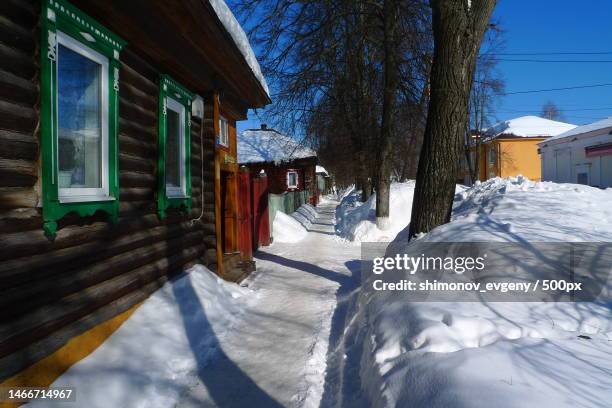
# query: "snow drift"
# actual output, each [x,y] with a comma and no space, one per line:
[356,221]
[470,354]
[293,228]
[287,229]
[156,354]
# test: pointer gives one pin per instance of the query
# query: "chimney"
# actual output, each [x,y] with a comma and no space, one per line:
[264,126]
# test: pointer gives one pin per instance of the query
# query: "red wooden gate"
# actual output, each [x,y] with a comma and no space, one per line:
[261,219]
[245,238]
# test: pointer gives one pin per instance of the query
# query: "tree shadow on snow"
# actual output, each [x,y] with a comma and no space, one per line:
[225,382]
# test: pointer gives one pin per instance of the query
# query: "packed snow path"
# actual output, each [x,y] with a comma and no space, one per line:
[275,355]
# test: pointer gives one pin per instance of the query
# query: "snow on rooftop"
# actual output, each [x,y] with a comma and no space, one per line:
[269,145]
[528,126]
[600,124]
[234,28]
[321,169]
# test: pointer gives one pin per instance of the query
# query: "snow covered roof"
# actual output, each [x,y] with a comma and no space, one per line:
[234,28]
[528,126]
[321,169]
[269,145]
[600,124]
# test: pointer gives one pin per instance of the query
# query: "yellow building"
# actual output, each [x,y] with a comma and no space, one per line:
[510,148]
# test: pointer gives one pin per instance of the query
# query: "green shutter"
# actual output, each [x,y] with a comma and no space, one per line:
[170,88]
[59,15]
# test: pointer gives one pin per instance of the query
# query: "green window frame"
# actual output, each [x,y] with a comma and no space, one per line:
[176,98]
[64,24]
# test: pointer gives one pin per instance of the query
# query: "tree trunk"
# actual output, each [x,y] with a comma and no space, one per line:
[383,173]
[458,26]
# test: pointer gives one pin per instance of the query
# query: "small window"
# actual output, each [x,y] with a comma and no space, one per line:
[492,155]
[79,88]
[174,169]
[223,132]
[292,179]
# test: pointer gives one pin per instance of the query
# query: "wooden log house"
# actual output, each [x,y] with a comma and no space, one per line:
[289,165]
[110,113]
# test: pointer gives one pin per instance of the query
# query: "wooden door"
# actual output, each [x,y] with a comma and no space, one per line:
[261,218]
[228,211]
[245,237]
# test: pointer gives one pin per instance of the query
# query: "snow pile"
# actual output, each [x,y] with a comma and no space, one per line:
[154,357]
[528,126]
[356,221]
[305,215]
[517,354]
[321,170]
[234,28]
[287,229]
[269,145]
[294,227]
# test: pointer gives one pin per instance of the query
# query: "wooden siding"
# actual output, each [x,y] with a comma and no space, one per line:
[277,175]
[51,291]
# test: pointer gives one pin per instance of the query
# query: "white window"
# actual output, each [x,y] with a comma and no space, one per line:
[175,149]
[223,131]
[292,179]
[82,122]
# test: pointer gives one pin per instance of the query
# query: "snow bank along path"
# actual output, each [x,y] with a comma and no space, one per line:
[483,354]
[203,342]
[276,355]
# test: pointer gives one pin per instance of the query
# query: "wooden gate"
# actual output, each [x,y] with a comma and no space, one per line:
[245,237]
[261,219]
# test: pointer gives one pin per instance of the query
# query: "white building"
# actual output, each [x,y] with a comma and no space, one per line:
[582,155]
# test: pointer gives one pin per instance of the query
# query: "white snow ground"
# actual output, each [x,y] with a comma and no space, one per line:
[482,354]
[302,334]
[203,342]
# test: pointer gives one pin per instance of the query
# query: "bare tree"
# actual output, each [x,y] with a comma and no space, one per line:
[486,90]
[551,111]
[342,71]
[458,29]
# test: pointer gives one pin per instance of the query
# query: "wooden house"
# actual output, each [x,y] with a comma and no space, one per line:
[289,166]
[110,117]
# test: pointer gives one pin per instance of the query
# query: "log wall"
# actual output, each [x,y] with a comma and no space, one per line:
[51,291]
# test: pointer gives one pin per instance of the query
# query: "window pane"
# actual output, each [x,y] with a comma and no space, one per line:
[173,149]
[79,120]
[292,179]
[223,132]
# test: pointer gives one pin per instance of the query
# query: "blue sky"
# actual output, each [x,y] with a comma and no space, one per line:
[548,26]
[539,26]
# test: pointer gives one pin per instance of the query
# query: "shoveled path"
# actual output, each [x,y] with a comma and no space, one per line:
[276,354]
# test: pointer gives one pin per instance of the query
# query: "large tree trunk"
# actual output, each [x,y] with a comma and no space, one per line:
[458,26]
[384,159]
